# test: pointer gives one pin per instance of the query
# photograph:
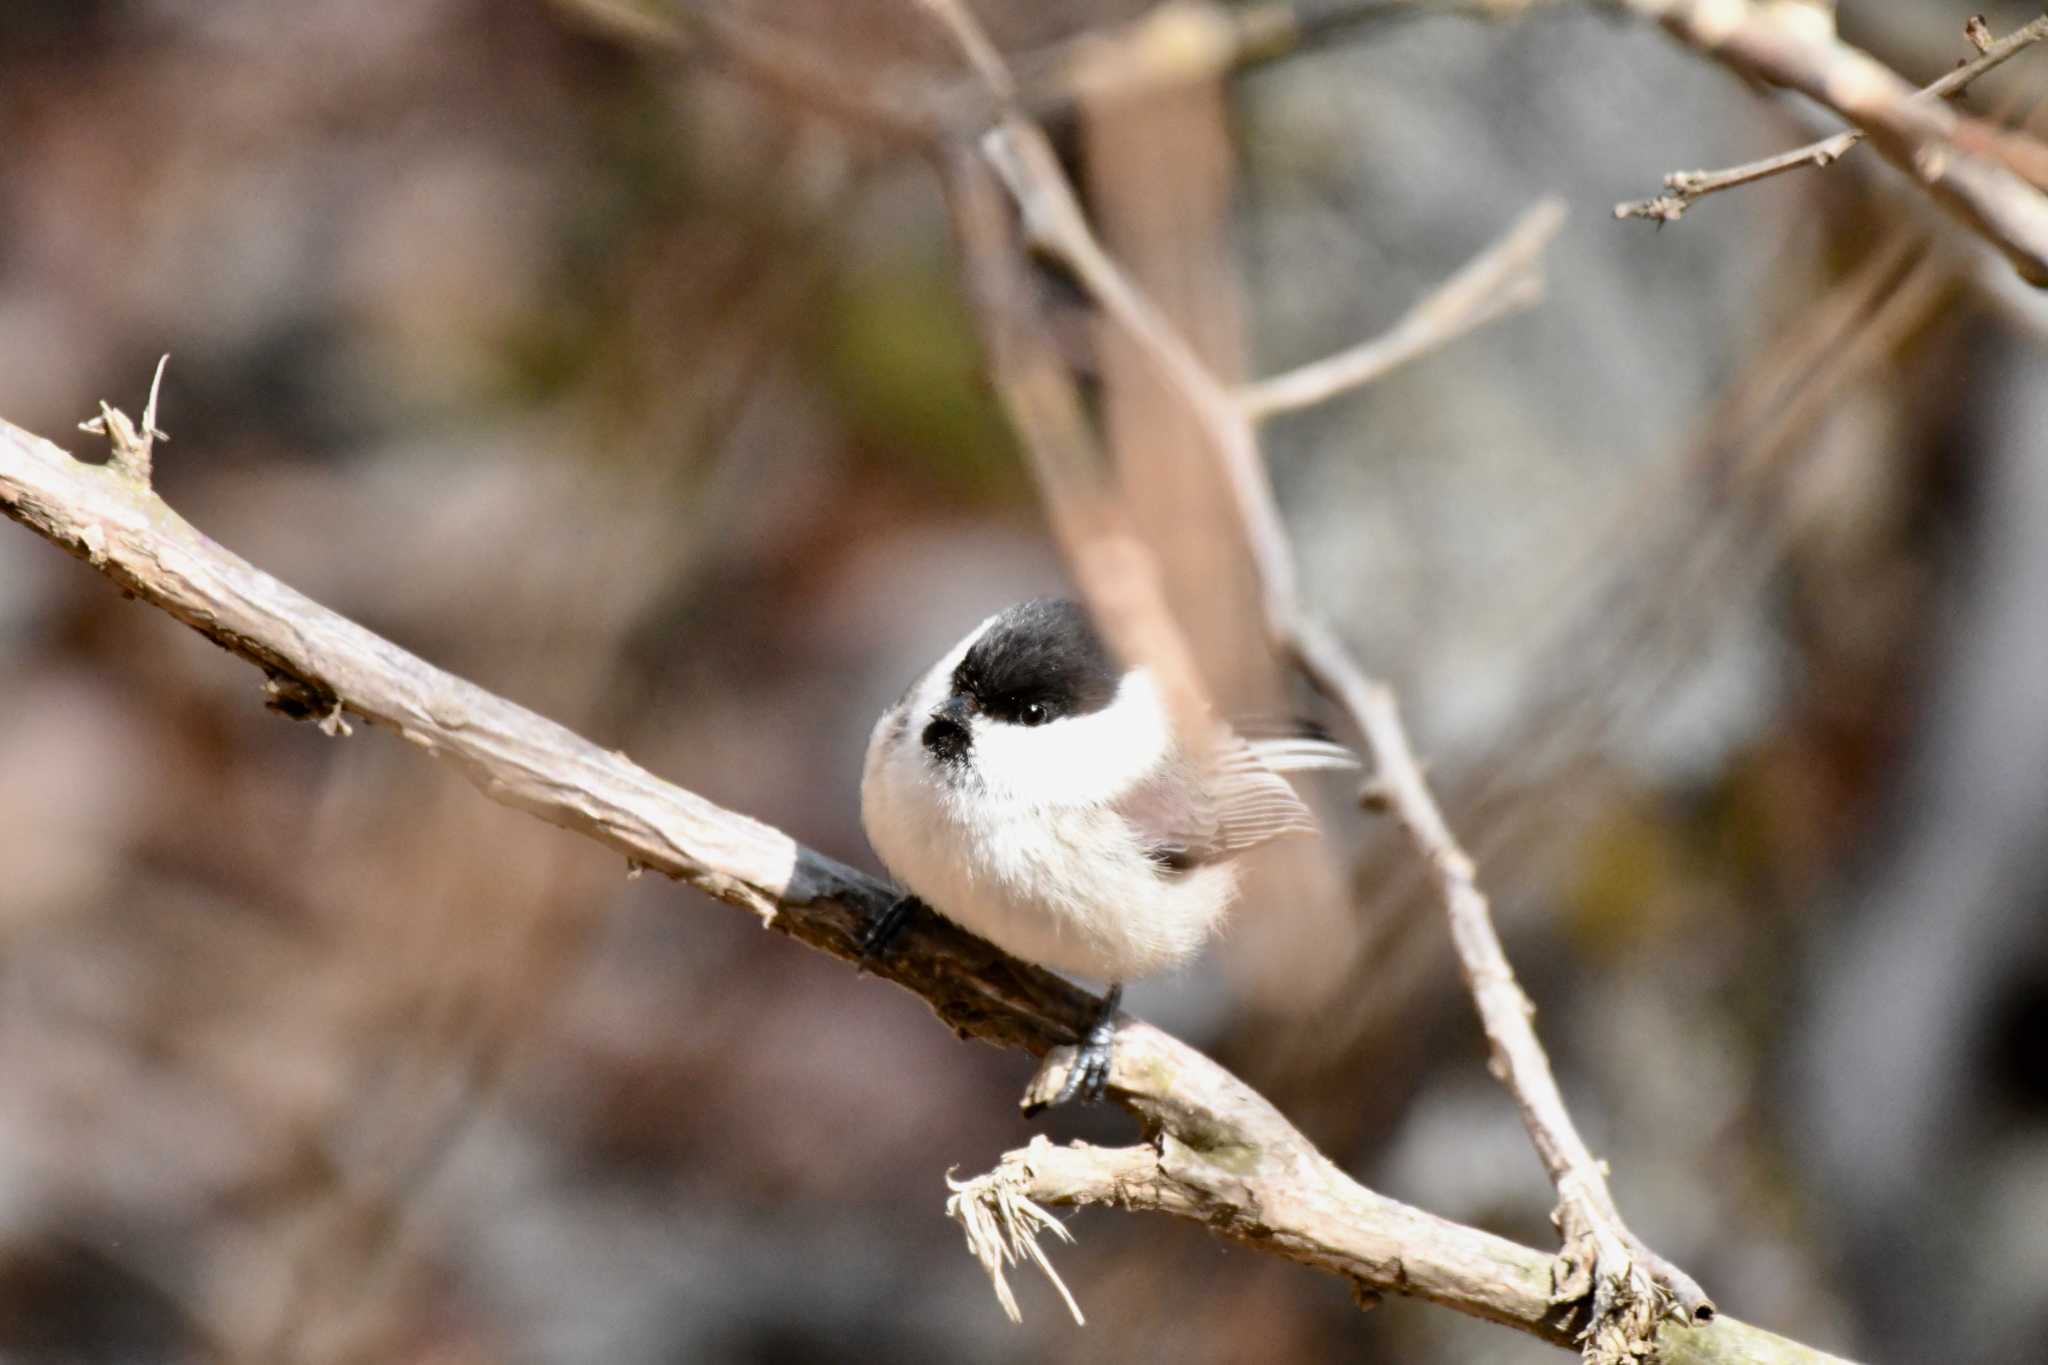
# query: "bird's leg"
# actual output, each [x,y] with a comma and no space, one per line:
[1089,1074]
[881,934]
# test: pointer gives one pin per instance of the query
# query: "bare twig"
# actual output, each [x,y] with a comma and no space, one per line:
[1501,280]
[131,450]
[1985,176]
[1684,188]
[905,111]
[1601,1257]
[1020,155]
[1222,1156]
[1185,41]
[1172,44]
[1116,576]
[626,22]
[1324,1221]
[974,43]
[1622,1284]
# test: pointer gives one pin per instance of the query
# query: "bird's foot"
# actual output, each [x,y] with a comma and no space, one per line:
[882,933]
[1088,1076]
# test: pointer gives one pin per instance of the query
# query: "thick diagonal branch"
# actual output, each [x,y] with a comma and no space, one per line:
[321,665]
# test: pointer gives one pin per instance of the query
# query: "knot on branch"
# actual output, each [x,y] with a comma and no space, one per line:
[297,698]
[1623,1304]
[1627,1289]
[132,448]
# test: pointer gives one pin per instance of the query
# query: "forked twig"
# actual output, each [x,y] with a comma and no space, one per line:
[1682,189]
[1500,281]
[1989,178]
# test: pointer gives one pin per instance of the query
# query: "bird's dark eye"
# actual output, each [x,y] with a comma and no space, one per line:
[1034,713]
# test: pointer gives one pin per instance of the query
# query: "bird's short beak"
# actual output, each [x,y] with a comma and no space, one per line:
[947,735]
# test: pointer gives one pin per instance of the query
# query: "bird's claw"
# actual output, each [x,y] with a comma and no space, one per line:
[882,933]
[1088,1076]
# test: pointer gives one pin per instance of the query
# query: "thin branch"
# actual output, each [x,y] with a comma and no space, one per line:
[626,22]
[1023,159]
[1282,1198]
[1500,281]
[1173,44]
[1182,42]
[1117,577]
[1233,1162]
[901,110]
[131,450]
[1601,1256]
[1622,1284]
[1683,188]
[974,43]
[1985,176]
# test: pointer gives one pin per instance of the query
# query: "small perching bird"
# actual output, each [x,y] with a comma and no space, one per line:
[1032,789]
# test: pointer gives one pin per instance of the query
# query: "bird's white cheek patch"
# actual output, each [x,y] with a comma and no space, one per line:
[1080,760]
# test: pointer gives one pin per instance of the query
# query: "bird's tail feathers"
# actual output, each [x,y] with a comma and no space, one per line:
[1303,755]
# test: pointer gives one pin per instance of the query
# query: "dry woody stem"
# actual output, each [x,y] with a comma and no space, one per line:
[1500,281]
[1985,176]
[1253,1177]
[1684,188]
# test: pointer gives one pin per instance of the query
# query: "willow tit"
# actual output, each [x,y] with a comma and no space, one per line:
[1032,789]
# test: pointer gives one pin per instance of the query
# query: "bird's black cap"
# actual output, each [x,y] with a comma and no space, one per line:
[1043,654]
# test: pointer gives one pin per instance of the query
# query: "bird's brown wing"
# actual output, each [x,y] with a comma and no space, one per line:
[1236,801]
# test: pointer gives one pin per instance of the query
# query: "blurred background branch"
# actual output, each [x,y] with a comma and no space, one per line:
[1683,188]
